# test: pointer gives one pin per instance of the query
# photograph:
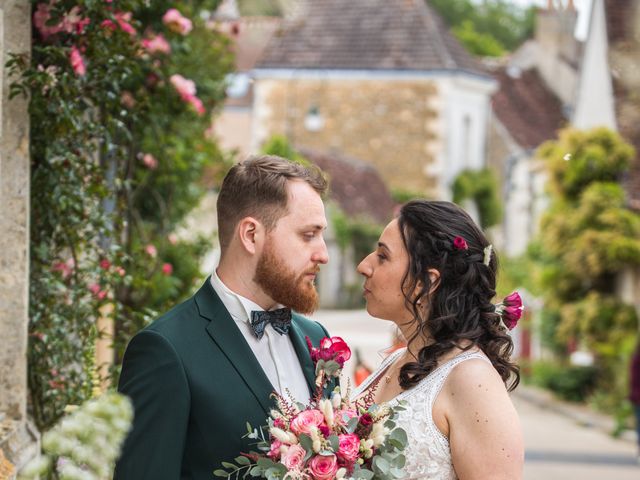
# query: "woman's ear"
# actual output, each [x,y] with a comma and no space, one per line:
[250,235]
[434,278]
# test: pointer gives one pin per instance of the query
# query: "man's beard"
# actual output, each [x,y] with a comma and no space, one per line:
[283,286]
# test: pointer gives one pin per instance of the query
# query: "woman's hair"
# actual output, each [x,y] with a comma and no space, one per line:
[460,308]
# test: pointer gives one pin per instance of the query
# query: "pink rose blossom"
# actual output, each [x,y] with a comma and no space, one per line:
[306,420]
[294,458]
[349,446]
[149,161]
[460,243]
[173,238]
[127,99]
[121,271]
[186,88]
[151,250]
[77,62]
[122,20]
[167,269]
[197,105]
[156,44]
[105,264]
[274,451]
[65,268]
[323,467]
[345,415]
[72,22]
[94,288]
[177,23]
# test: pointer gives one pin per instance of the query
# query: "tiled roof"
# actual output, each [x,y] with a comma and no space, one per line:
[356,186]
[367,34]
[527,108]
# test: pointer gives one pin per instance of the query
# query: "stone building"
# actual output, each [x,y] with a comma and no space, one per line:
[18,439]
[383,81]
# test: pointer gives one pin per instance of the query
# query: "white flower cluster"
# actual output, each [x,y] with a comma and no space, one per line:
[86,443]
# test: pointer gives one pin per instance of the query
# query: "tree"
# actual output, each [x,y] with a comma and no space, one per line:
[586,238]
[489,28]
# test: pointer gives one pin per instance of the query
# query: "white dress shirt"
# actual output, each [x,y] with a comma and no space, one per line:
[275,352]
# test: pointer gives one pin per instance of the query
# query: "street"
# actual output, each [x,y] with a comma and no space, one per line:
[557,448]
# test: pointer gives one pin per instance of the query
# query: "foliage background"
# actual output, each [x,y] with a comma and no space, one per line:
[587,237]
[116,154]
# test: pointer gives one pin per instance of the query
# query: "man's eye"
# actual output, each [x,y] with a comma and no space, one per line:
[309,235]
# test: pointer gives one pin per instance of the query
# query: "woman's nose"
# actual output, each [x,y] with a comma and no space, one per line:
[364,268]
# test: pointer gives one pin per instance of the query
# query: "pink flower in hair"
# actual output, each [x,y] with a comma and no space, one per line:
[460,243]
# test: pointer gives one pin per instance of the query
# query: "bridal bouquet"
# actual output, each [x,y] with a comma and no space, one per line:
[332,438]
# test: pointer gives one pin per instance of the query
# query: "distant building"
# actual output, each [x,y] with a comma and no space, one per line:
[379,80]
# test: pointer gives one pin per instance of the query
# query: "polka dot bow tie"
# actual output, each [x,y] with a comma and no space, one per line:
[279,319]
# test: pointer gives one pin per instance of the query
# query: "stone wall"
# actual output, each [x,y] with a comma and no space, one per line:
[17,438]
[391,124]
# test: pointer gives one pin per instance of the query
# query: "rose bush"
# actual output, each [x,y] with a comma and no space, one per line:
[117,155]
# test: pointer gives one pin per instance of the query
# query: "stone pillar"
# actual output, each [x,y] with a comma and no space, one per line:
[18,440]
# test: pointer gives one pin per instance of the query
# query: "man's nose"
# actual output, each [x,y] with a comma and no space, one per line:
[322,254]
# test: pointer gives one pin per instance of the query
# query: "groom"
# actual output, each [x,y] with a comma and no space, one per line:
[199,373]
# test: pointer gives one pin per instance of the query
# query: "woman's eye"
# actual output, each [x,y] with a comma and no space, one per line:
[381,257]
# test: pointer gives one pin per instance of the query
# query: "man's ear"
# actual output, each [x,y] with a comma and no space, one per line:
[251,234]
[434,278]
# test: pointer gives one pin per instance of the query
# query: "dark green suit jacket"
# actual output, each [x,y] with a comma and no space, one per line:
[195,383]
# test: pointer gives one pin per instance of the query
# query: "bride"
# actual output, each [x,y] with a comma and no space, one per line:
[434,275]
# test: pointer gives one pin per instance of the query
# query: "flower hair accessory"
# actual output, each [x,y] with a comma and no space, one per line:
[460,243]
[488,250]
[510,310]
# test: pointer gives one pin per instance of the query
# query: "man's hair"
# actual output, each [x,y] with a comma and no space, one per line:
[257,187]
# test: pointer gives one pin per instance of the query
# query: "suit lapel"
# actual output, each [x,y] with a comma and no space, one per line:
[224,332]
[302,351]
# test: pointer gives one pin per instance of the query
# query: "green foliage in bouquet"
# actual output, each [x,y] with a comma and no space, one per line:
[120,100]
[84,444]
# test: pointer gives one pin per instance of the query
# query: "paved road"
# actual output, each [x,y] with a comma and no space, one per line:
[557,448]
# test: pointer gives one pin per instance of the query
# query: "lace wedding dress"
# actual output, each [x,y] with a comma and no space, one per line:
[428,453]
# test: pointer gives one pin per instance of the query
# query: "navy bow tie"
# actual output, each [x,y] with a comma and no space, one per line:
[279,319]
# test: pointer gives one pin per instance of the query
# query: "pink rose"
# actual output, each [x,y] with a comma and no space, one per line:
[186,88]
[293,459]
[149,161]
[156,44]
[105,264]
[340,351]
[121,271]
[460,243]
[274,451]
[349,446]
[174,20]
[323,467]
[197,105]
[167,269]
[345,415]
[122,20]
[77,62]
[151,250]
[306,420]
[513,300]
